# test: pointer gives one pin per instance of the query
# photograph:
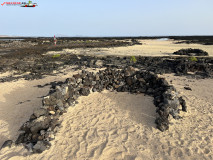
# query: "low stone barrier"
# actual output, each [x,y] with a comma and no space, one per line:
[44,122]
[191,52]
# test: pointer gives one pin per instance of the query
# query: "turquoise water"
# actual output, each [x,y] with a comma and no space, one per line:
[163,39]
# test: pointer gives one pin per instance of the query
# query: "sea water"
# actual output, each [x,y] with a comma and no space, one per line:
[163,39]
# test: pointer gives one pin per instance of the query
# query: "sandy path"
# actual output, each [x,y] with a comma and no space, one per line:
[112,125]
[149,48]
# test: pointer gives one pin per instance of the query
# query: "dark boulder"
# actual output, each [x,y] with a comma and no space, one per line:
[39,124]
[39,147]
[129,81]
[191,52]
[84,91]
[183,104]
[162,123]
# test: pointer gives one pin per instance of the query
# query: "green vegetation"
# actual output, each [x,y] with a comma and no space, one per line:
[193,59]
[56,55]
[133,59]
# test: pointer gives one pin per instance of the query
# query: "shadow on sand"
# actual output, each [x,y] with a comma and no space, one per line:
[139,107]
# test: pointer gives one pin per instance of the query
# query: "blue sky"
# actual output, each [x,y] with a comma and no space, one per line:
[108,18]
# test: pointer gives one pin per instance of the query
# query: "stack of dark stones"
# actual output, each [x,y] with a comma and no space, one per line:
[136,42]
[191,52]
[201,66]
[44,122]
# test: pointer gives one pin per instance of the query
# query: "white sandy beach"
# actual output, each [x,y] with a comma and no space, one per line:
[106,80]
[148,48]
[112,125]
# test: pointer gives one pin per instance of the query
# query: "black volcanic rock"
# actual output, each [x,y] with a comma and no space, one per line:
[39,124]
[162,123]
[191,52]
[85,91]
[183,104]
[44,123]
[187,88]
[39,147]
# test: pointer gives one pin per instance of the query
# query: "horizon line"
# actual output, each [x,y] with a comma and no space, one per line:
[6,36]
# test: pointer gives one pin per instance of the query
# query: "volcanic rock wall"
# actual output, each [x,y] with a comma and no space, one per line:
[44,122]
[191,52]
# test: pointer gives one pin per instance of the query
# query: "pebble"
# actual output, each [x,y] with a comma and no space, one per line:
[52,112]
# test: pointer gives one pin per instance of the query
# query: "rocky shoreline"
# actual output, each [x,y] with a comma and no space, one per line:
[37,68]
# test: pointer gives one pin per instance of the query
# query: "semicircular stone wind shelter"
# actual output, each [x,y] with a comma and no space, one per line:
[44,122]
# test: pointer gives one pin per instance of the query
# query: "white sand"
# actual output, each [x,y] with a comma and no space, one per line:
[149,48]
[19,99]
[112,125]
[5,74]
